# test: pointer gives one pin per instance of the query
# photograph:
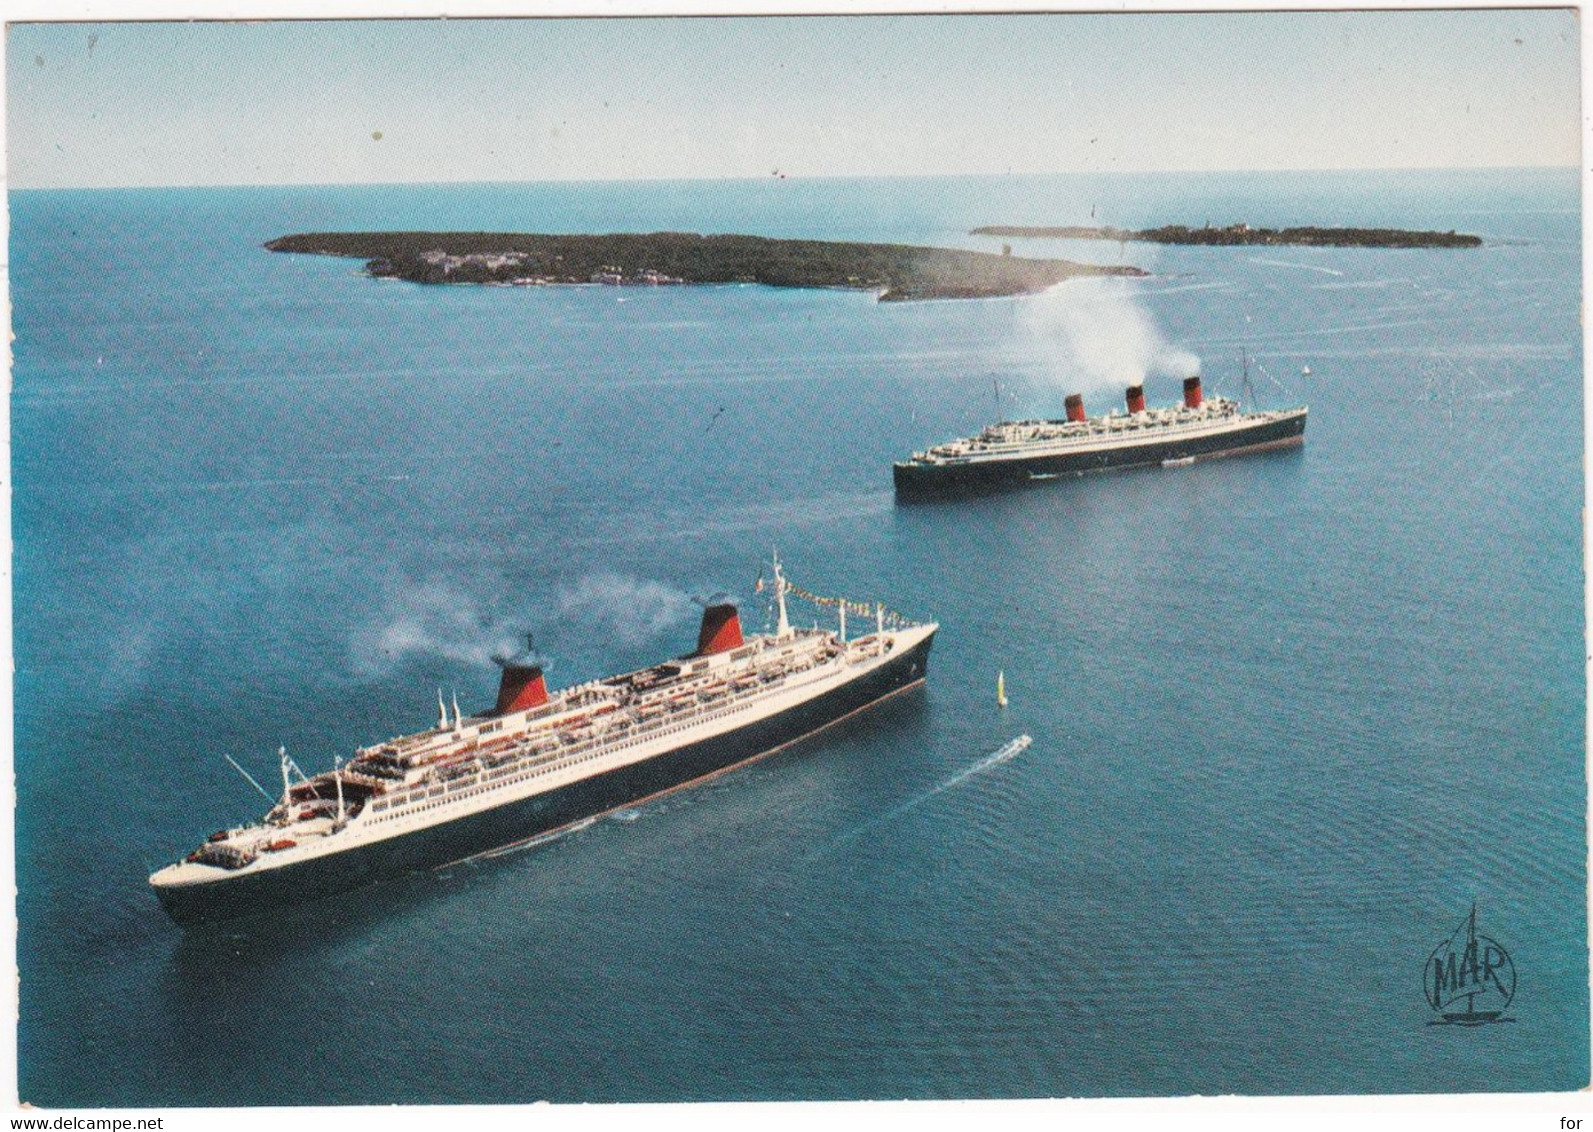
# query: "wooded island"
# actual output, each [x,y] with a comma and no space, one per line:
[896,271]
[1244,235]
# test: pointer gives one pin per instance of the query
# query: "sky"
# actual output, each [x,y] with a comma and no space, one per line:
[329,102]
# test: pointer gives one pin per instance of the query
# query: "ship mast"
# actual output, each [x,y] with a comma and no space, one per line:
[783,626]
[287,784]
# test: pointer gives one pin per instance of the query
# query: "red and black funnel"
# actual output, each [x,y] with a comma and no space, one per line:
[1192,392]
[1136,398]
[721,628]
[1075,406]
[521,687]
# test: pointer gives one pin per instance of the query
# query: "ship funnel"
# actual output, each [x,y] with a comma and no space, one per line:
[522,685]
[1192,392]
[1136,398]
[1075,406]
[721,627]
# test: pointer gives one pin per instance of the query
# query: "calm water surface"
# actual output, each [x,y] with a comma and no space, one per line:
[1292,714]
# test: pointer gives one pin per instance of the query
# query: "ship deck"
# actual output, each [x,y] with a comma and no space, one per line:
[1009,440]
[479,763]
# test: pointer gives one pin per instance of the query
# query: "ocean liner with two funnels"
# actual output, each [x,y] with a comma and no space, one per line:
[538,762]
[1016,452]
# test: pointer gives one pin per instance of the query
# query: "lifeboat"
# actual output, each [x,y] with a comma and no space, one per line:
[279,844]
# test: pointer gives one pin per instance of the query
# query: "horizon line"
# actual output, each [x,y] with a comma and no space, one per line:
[1570,167]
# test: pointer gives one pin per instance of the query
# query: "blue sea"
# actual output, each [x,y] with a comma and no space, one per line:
[1293,715]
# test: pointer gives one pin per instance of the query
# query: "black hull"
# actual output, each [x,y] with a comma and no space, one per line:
[248,892]
[922,481]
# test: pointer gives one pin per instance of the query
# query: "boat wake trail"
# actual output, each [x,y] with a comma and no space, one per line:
[531,843]
[1301,266]
[1004,755]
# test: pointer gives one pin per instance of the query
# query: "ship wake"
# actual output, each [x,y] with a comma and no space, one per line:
[529,843]
[1005,755]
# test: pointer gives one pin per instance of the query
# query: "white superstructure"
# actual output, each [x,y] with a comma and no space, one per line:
[534,743]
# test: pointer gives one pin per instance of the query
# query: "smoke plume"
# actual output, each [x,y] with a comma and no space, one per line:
[630,609]
[432,619]
[1095,336]
[438,620]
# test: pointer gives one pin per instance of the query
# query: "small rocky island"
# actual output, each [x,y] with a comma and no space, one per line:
[1244,235]
[896,271]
